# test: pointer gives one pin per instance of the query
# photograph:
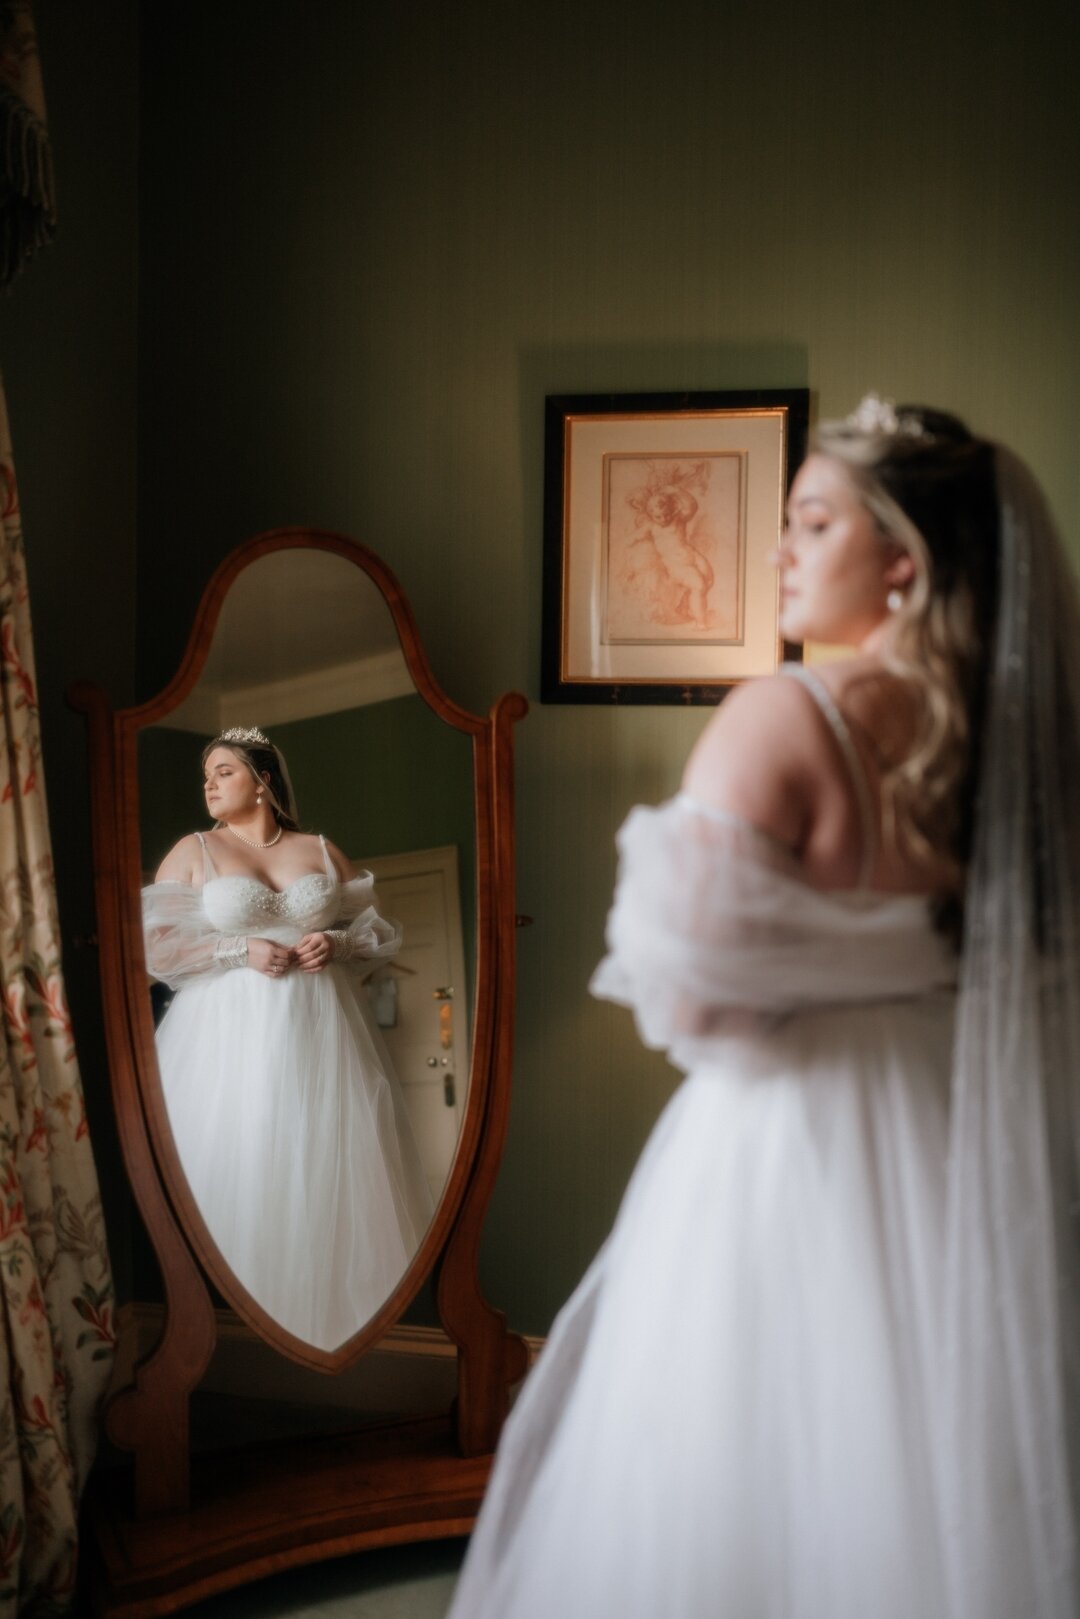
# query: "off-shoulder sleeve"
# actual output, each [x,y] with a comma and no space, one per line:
[181,944]
[710,918]
[360,932]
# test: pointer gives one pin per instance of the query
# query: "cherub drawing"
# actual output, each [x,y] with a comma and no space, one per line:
[669,575]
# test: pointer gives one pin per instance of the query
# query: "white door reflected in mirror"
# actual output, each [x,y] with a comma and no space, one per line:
[428,1039]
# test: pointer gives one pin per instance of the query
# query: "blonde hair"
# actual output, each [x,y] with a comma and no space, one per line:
[930,487]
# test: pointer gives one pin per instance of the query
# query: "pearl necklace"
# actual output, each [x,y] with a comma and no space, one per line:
[253,843]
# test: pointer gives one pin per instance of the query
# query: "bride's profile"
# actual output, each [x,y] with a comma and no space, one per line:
[827,1364]
[285,1111]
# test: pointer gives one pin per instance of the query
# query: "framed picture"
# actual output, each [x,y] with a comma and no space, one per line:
[662,514]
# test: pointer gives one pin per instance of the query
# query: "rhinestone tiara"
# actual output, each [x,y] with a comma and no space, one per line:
[877,415]
[246,735]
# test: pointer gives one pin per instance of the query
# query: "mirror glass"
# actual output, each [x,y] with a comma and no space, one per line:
[315,1114]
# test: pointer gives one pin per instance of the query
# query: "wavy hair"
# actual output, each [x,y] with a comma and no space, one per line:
[930,487]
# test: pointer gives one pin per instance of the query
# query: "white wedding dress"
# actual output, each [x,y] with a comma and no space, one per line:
[287,1116]
[738,1413]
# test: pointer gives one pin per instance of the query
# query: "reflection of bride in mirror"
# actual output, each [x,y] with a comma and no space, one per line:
[287,1117]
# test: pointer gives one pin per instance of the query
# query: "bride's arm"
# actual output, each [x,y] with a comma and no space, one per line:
[344,867]
[181,862]
[180,943]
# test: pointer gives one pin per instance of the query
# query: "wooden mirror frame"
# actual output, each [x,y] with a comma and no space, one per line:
[184,1534]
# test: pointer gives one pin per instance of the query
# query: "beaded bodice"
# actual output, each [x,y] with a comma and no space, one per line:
[240,904]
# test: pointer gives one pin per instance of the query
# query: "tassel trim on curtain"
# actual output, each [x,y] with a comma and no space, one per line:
[27,197]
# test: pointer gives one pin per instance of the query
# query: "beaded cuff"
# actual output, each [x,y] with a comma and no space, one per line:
[231,950]
[343,945]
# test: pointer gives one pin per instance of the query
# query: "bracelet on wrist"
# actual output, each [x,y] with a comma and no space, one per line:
[232,951]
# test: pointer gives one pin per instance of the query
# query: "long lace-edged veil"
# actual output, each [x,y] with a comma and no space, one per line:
[1011,1381]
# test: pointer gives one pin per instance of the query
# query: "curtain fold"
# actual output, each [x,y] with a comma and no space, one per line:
[56,1298]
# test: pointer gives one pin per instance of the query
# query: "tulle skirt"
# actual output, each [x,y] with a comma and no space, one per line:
[292,1132]
[736,1415]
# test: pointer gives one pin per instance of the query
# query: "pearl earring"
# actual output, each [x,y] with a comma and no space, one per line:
[258,798]
[894,600]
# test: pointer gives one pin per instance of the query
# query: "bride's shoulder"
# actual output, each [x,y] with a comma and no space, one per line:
[757,729]
[341,863]
[757,718]
[766,699]
[768,753]
[308,842]
[183,861]
[754,758]
[871,697]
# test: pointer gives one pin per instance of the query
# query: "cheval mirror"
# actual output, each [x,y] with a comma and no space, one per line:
[307,635]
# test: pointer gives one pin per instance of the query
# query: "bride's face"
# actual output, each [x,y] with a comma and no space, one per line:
[836,567]
[228,786]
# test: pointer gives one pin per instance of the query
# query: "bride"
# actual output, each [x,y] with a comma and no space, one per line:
[826,1365]
[287,1117]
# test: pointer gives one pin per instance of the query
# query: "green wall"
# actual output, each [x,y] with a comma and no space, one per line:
[171,802]
[371,241]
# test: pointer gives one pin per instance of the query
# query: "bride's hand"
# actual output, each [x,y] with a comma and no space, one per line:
[314,952]
[267,957]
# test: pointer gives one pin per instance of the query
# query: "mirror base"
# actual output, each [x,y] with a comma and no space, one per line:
[163,1539]
[269,1507]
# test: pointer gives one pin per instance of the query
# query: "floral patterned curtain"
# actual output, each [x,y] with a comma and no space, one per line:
[56,1302]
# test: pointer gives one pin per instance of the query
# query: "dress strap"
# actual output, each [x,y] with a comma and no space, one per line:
[327,862]
[837,724]
[208,864]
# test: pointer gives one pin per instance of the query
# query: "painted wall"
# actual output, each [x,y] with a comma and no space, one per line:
[68,333]
[370,243]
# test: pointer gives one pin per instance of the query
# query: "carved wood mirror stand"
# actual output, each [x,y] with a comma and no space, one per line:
[181,1527]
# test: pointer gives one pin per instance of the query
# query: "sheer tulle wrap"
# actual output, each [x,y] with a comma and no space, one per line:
[711,921]
[180,943]
[370,934]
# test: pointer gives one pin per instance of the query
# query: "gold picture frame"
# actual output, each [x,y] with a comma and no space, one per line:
[662,515]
